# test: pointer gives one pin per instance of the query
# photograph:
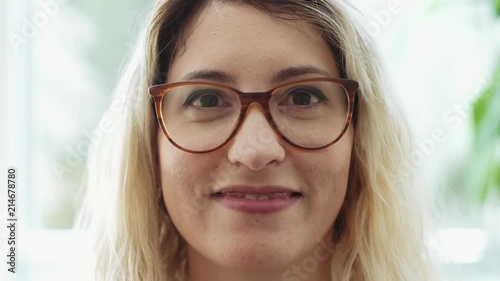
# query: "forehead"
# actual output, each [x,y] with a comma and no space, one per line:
[249,44]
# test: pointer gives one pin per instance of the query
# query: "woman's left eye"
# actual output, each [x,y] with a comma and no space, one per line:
[304,97]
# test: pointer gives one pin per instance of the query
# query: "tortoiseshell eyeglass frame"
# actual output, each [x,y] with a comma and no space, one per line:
[157,92]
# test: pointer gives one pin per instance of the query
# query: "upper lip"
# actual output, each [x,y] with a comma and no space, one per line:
[256,189]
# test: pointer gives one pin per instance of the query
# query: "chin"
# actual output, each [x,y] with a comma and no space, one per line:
[253,254]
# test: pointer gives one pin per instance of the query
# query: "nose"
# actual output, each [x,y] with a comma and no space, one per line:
[255,145]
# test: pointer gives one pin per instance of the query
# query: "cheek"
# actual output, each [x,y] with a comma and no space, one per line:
[327,174]
[328,184]
[183,177]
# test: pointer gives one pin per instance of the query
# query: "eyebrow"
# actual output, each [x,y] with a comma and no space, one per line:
[214,75]
[296,71]
[281,76]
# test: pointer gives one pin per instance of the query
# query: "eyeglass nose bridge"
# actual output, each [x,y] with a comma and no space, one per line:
[262,98]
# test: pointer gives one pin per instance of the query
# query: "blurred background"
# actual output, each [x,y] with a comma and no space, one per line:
[60,59]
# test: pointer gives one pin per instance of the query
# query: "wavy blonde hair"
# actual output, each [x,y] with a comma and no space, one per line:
[380,228]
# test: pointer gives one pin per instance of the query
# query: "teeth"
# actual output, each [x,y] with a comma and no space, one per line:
[263,197]
[250,197]
[259,197]
[256,197]
[280,195]
[276,195]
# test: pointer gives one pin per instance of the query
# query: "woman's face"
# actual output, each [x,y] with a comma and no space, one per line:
[252,48]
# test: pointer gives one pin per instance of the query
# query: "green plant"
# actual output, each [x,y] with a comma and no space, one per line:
[484,171]
[485,165]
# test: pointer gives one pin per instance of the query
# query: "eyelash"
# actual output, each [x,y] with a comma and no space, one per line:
[193,96]
[316,93]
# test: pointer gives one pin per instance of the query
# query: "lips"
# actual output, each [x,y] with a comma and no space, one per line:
[250,199]
[257,193]
[258,196]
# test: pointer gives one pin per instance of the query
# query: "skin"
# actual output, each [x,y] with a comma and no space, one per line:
[225,244]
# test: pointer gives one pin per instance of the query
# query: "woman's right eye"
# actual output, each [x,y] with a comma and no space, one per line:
[204,99]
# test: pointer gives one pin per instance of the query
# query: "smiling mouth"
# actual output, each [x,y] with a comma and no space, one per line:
[256,200]
[257,196]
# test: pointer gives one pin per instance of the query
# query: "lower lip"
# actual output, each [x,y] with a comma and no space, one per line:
[256,207]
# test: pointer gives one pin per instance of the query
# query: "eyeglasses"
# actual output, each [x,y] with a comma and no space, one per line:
[200,117]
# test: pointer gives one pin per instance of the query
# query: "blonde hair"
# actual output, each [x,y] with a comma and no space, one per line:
[380,228]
